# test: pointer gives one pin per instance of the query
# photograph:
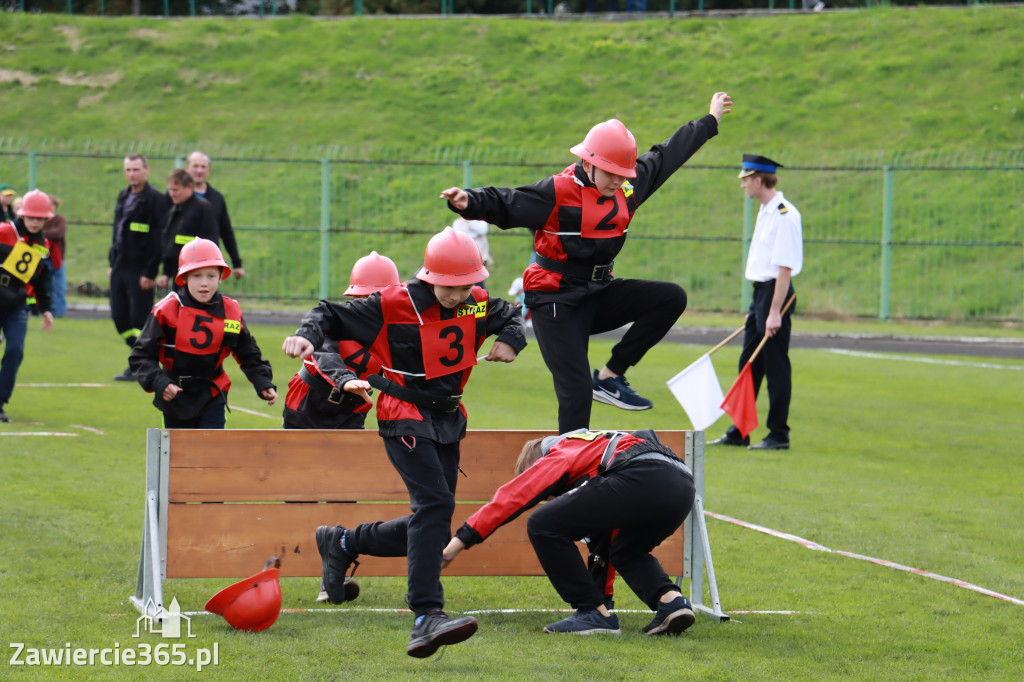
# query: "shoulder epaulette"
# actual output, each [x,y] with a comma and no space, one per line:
[782,208]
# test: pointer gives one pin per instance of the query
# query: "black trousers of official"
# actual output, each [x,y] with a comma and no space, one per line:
[772,362]
[646,501]
[430,472]
[129,304]
[563,334]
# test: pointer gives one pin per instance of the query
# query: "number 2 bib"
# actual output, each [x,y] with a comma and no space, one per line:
[603,217]
[449,346]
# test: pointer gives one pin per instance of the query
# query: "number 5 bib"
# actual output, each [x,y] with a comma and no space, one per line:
[448,345]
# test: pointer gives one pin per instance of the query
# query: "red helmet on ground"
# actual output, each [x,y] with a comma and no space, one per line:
[452,259]
[200,253]
[8,234]
[36,204]
[252,604]
[372,273]
[611,147]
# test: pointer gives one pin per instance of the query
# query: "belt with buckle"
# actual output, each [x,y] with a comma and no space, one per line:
[320,385]
[594,273]
[446,404]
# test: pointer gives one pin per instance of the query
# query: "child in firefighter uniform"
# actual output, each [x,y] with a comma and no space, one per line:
[628,485]
[180,353]
[580,218]
[426,334]
[24,282]
[316,398]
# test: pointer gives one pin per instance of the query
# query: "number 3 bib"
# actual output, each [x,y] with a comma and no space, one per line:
[603,217]
[448,345]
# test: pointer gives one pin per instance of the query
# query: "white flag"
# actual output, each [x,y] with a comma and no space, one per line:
[698,391]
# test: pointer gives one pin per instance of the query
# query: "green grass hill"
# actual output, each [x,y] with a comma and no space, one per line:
[879,79]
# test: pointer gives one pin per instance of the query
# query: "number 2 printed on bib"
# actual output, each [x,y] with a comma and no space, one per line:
[448,345]
[603,217]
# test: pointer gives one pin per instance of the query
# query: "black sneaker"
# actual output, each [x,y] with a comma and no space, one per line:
[587,622]
[616,391]
[4,419]
[335,564]
[671,618]
[126,375]
[435,629]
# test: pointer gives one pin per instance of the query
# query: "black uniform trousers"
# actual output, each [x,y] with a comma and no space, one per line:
[645,501]
[772,362]
[563,333]
[430,472]
[129,304]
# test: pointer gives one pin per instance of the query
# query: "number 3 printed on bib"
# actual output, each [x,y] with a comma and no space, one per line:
[448,345]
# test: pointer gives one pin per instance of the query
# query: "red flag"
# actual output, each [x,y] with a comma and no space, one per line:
[740,403]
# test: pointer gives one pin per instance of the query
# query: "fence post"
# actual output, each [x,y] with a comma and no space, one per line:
[31,170]
[325,226]
[748,232]
[883,306]
[467,173]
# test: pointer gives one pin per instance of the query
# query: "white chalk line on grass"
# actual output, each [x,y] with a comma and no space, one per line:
[87,428]
[809,544]
[258,414]
[929,361]
[36,433]
[63,385]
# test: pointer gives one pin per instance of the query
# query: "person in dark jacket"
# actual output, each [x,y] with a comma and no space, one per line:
[24,282]
[198,166]
[627,485]
[134,257]
[180,353]
[581,218]
[426,334]
[189,217]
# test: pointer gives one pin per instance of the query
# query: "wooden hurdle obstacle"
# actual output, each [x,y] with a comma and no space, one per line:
[220,502]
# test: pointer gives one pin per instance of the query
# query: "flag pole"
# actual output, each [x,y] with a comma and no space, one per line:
[766,337]
[727,340]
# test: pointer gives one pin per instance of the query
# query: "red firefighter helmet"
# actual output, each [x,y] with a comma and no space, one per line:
[452,259]
[611,147]
[252,604]
[200,253]
[36,204]
[8,234]
[372,273]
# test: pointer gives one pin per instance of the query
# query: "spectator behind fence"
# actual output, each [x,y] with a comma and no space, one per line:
[477,231]
[189,217]
[134,252]
[198,167]
[7,212]
[55,229]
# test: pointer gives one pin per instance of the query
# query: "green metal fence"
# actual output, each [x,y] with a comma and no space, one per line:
[886,235]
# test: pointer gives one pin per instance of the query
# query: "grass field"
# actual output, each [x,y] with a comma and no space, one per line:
[905,461]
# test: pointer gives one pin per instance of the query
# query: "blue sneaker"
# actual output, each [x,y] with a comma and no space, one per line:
[616,391]
[587,622]
[671,618]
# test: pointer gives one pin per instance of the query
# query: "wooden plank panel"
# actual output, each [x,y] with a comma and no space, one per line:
[301,465]
[235,540]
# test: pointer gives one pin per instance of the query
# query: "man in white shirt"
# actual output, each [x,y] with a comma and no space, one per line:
[775,257]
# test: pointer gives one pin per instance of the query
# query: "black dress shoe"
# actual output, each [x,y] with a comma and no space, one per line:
[726,440]
[770,444]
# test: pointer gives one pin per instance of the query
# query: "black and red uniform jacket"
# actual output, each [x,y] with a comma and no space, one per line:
[421,345]
[325,405]
[185,342]
[25,280]
[574,223]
